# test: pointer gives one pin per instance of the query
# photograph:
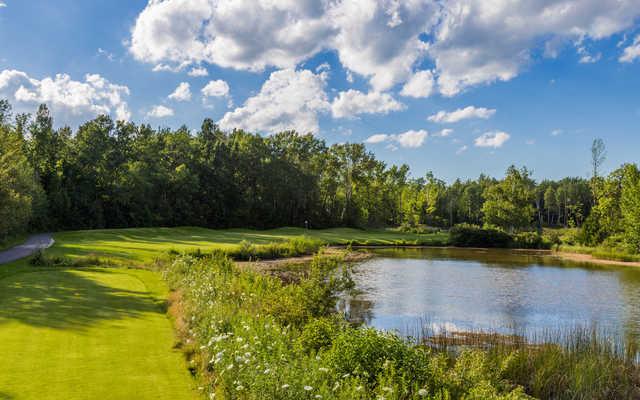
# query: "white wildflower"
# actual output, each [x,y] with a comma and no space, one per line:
[308,388]
[422,392]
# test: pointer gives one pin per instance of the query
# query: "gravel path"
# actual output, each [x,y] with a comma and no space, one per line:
[33,244]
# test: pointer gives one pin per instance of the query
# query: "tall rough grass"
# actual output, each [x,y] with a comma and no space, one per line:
[249,336]
[562,363]
[247,251]
[605,253]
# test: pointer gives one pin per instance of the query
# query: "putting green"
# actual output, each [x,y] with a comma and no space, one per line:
[88,334]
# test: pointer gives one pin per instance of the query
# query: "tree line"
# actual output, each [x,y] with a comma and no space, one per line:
[110,174]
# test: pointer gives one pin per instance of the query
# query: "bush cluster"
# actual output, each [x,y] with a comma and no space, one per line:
[249,336]
[466,235]
[419,229]
[247,251]
[41,259]
[295,247]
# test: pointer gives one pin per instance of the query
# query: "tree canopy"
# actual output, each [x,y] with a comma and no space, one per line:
[110,174]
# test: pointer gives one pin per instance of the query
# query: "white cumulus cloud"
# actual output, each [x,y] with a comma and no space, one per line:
[462,113]
[479,41]
[377,138]
[182,92]
[197,72]
[380,39]
[408,139]
[354,102]
[421,84]
[160,112]
[470,42]
[288,100]
[631,52]
[493,139]
[216,88]
[240,34]
[444,132]
[70,101]
[282,33]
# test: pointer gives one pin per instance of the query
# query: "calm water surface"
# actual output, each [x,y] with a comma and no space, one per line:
[505,291]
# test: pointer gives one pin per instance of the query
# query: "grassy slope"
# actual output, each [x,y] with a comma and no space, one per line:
[144,244]
[90,333]
[103,333]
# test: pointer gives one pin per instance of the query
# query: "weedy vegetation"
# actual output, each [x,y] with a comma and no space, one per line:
[251,336]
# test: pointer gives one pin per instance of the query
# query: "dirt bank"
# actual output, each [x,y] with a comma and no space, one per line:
[288,269]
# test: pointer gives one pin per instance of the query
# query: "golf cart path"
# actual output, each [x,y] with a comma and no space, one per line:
[33,244]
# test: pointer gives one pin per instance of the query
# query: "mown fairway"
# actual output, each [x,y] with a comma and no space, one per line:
[91,333]
[144,244]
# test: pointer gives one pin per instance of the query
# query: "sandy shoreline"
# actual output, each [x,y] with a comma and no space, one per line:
[587,258]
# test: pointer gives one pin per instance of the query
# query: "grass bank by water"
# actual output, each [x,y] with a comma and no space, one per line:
[601,253]
[250,336]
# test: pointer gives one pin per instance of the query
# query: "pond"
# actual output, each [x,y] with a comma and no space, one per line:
[416,291]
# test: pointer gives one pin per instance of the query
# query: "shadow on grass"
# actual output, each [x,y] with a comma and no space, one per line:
[66,299]
[5,396]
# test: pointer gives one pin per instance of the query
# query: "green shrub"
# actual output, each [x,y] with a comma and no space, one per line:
[366,353]
[40,259]
[419,229]
[319,334]
[465,235]
[573,236]
[247,251]
[530,240]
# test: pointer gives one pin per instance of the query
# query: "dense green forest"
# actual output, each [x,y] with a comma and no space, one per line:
[119,174]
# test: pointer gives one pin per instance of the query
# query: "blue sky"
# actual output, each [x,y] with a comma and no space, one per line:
[457,87]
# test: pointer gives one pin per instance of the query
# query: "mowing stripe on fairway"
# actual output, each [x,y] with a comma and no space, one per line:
[88,334]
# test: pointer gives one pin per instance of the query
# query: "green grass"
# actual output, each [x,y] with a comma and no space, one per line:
[91,333]
[94,332]
[602,253]
[142,245]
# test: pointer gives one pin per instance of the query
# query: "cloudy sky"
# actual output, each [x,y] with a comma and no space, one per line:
[457,87]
